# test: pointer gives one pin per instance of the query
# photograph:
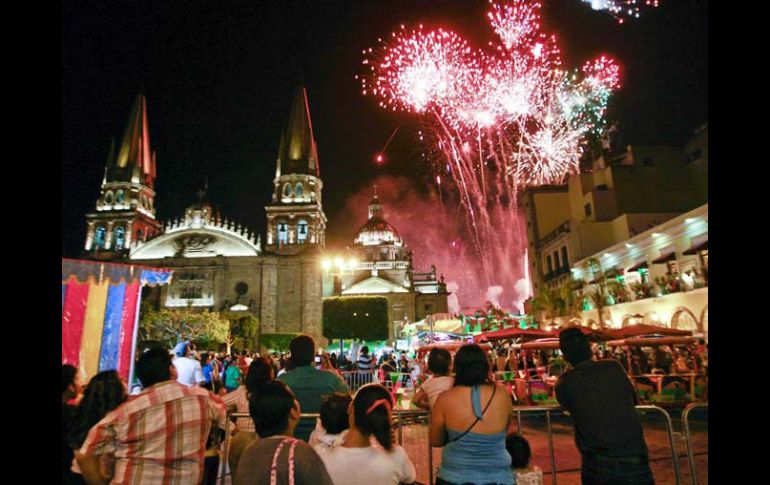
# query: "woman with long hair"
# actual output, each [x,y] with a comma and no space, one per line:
[357,459]
[104,392]
[470,421]
[260,373]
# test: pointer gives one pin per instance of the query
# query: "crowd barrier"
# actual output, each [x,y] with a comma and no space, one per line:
[357,378]
[400,414]
[688,436]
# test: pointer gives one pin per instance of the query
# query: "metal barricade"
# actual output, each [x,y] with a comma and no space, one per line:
[539,409]
[357,378]
[688,436]
[399,414]
[670,429]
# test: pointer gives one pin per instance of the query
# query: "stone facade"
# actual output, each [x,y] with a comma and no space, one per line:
[217,263]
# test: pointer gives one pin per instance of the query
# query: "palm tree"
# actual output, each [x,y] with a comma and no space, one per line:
[604,286]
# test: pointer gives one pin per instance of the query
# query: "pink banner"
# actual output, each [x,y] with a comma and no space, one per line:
[127,328]
[73,316]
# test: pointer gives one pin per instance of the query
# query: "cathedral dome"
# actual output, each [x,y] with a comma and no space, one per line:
[377,231]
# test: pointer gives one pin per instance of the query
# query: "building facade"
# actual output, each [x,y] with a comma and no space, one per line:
[217,262]
[379,263]
[621,197]
[662,274]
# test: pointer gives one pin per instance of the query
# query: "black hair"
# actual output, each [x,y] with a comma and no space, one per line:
[518,448]
[439,361]
[377,420]
[68,373]
[574,345]
[302,350]
[153,366]
[204,358]
[471,366]
[334,412]
[270,408]
[103,393]
[259,374]
[365,349]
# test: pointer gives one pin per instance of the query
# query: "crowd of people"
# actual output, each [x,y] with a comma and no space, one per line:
[172,430]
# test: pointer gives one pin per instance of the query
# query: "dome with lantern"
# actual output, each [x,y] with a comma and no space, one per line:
[377,231]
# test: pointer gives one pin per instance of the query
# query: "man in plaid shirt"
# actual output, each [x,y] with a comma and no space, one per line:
[158,436]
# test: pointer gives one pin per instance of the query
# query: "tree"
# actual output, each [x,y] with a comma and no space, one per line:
[604,287]
[571,293]
[243,328]
[170,325]
[355,317]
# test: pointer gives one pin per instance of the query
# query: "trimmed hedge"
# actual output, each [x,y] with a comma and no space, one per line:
[355,317]
[276,341]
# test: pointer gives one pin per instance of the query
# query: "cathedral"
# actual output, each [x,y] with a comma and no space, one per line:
[379,263]
[220,264]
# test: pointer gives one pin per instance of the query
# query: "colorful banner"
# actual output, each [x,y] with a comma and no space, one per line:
[100,307]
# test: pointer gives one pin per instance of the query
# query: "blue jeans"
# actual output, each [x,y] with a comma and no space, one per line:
[605,471]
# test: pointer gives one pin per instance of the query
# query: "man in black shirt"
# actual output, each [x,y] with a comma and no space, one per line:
[601,400]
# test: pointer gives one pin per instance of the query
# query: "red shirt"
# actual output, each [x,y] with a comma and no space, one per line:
[159,436]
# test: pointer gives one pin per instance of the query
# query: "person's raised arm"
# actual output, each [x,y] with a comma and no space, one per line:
[437,430]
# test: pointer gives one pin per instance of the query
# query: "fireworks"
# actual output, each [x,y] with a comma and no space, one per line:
[496,119]
[621,9]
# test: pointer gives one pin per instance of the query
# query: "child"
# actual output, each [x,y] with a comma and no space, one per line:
[520,452]
[439,361]
[333,425]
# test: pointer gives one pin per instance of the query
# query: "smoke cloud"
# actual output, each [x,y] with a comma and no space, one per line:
[435,235]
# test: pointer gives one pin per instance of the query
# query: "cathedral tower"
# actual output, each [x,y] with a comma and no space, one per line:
[295,218]
[125,210]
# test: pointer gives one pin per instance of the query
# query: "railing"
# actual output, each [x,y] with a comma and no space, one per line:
[400,414]
[357,378]
[670,429]
[539,409]
[688,436]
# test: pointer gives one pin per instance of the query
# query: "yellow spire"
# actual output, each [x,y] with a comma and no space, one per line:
[298,153]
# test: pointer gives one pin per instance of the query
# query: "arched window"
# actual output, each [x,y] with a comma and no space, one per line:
[120,237]
[99,237]
[140,235]
[287,190]
[108,197]
[120,196]
[301,230]
[283,233]
[298,190]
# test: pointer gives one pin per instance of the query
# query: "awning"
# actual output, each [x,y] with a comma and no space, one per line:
[644,329]
[697,248]
[638,266]
[665,258]
[528,334]
[100,309]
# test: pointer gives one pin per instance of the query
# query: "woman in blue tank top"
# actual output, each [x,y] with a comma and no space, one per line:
[470,421]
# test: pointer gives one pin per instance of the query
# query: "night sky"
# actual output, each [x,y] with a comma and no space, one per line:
[219,79]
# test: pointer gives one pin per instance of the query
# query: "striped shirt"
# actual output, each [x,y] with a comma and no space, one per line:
[158,436]
[364,362]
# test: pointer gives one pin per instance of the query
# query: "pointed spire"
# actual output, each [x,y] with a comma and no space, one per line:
[298,152]
[134,160]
